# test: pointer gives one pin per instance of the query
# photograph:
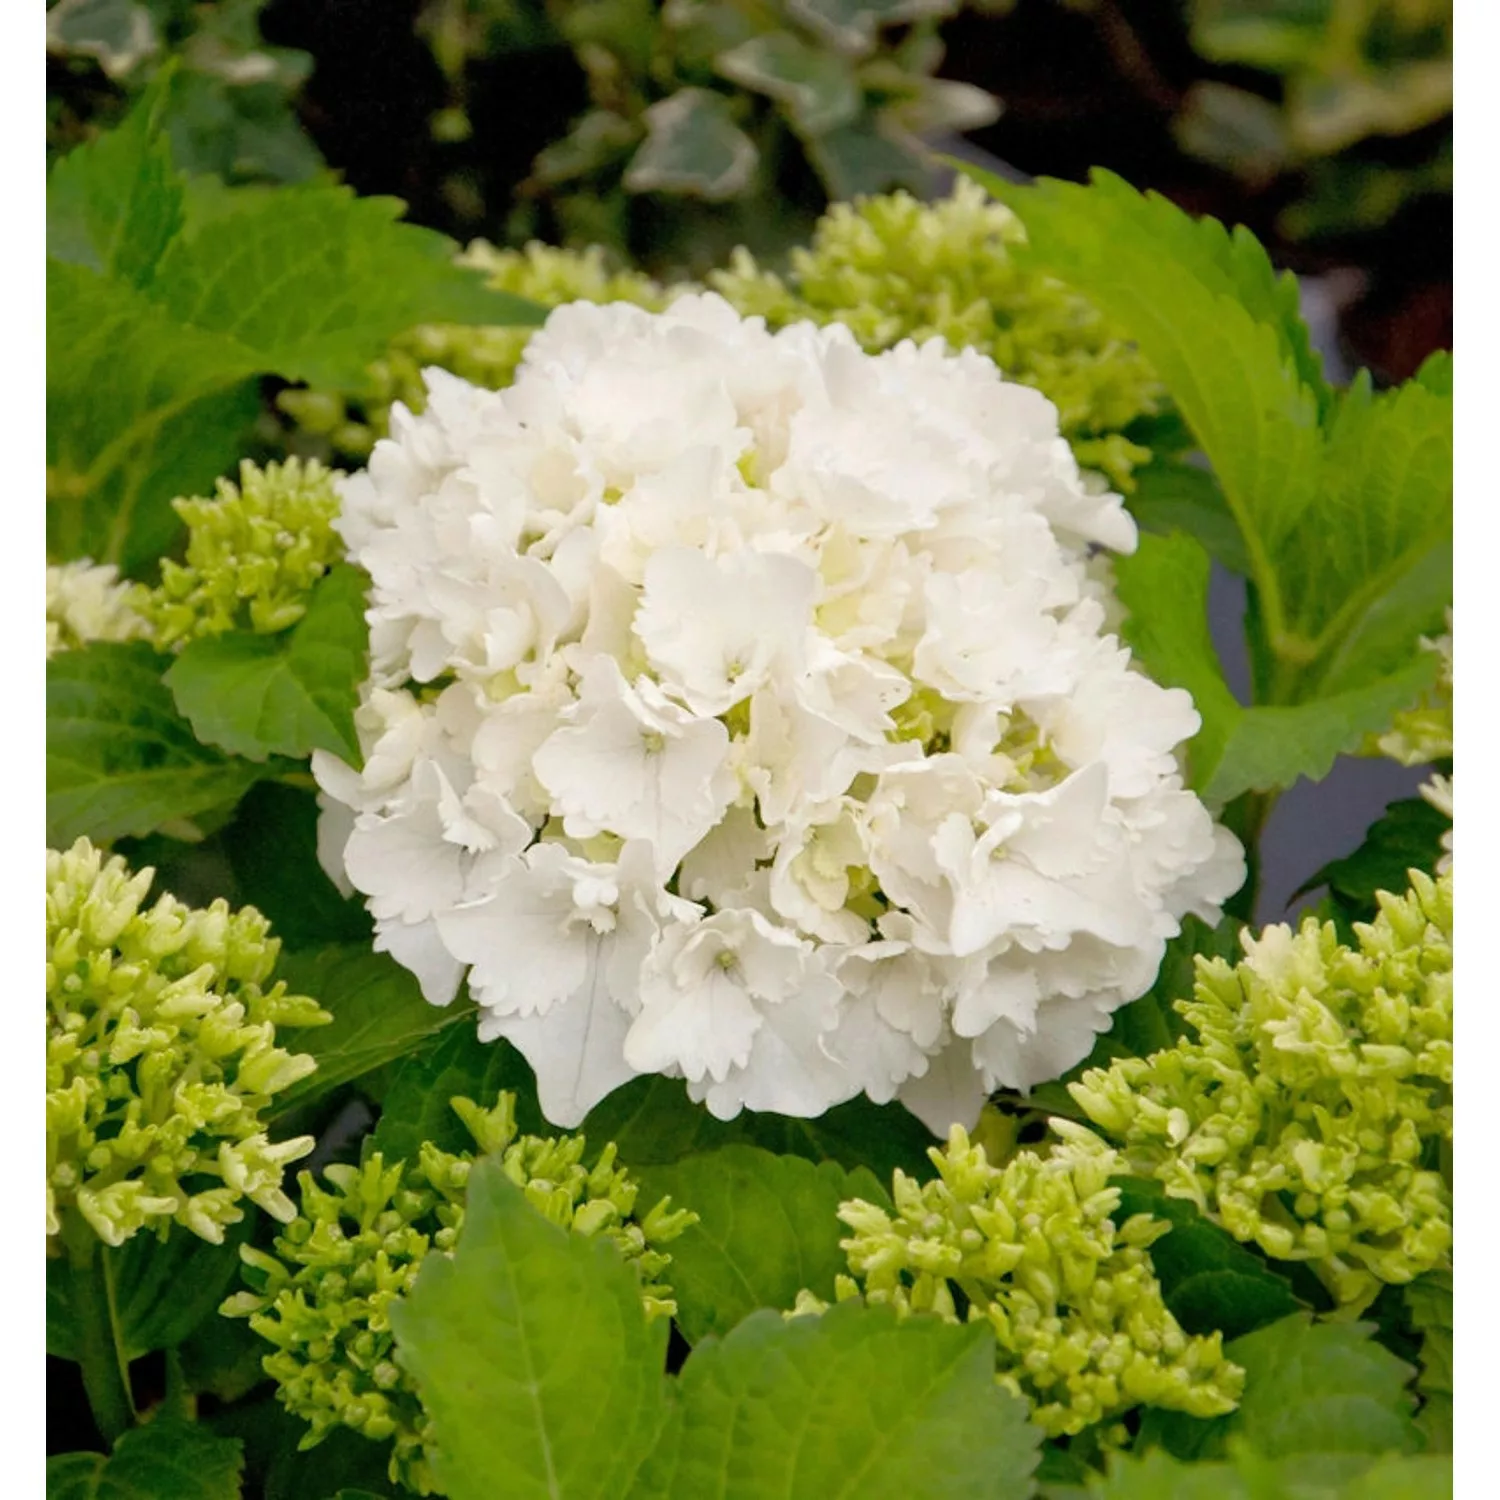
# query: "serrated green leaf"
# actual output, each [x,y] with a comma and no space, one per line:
[654,1122]
[1211,1283]
[767,1228]
[1248,1476]
[287,694]
[324,317]
[1164,585]
[853,1405]
[1337,498]
[417,1107]
[1271,747]
[1408,835]
[115,203]
[165,1458]
[119,759]
[533,1356]
[1310,1388]
[378,1012]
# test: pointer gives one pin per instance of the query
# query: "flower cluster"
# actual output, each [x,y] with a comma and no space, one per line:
[161,1055]
[87,603]
[893,268]
[324,1298]
[1313,1110]
[484,356]
[254,553]
[741,709]
[1081,1330]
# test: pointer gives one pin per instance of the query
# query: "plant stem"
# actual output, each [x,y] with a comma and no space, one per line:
[106,1372]
[1245,817]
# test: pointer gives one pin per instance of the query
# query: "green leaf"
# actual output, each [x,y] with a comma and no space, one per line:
[378,1012]
[1429,1304]
[1271,747]
[324,317]
[1310,1388]
[533,1355]
[852,1405]
[1173,496]
[653,1122]
[272,845]
[417,1107]
[1408,835]
[1164,585]
[692,146]
[767,1228]
[1248,1476]
[119,759]
[166,1458]
[1337,498]
[287,694]
[162,1290]
[1210,1281]
[115,203]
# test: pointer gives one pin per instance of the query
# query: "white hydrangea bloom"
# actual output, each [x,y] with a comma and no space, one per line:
[89,602]
[743,708]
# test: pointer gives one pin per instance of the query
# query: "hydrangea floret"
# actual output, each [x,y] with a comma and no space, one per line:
[892,268]
[1032,1249]
[254,553]
[89,602]
[484,356]
[324,1297]
[742,709]
[161,1056]
[1312,1110]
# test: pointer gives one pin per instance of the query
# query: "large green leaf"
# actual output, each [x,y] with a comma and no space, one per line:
[533,1355]
[286,694]
[164,1459]
[852,1405]
[379,1015]
[164,295]
[1310,1388]
[1319,1476]
[115,203]
[1164,585]
[1337,499]
[119,759]
[767,1228]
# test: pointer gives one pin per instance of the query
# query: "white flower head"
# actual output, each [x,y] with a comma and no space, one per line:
[743,708]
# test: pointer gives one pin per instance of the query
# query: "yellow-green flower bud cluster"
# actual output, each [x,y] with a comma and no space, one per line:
[254,553]
[161,1056]
[1032,1248]
[486,357]
[88,603]
[324,1298]
[1424,733]
[1312,1112]
[893,268]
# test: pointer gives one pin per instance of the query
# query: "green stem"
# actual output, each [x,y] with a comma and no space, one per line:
[1245,817]
[101,1353]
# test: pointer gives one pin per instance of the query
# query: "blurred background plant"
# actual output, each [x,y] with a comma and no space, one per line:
[232,109]
[759,111]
